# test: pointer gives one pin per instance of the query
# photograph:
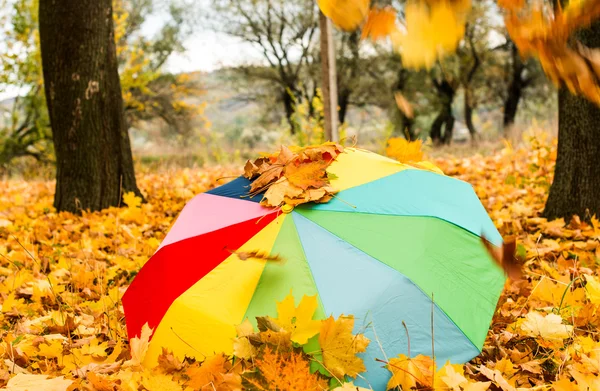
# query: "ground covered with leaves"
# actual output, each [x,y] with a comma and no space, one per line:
[62,277]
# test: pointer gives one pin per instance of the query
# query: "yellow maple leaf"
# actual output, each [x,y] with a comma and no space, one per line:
[592,289]
[28,382]
[410,372]
[298,320]
[242,348]
[339,347]
[450,376]
[131,200]
[139,347]
[549,327]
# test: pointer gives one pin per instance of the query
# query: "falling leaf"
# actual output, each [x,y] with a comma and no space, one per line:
[506,256]
[403,104]
[381,23]
[347,15]
[339,347]
[404,151]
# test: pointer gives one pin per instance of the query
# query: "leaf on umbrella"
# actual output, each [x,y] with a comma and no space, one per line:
[307,175]
[409,373]
[298,320]
[506,256]
[339,347]
[291,175]
[279,191]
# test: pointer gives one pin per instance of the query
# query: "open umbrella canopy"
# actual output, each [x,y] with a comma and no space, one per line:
[396,244]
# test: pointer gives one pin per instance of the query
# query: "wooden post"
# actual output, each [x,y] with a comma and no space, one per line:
[329,76]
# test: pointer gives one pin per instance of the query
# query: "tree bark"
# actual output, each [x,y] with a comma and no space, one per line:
[515,89]
[329,78]
[445,119]
[576,184]
[469,114]
[94,163]
[403,126]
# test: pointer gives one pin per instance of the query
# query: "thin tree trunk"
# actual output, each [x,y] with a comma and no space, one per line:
[469,115]
[93,154]
[403,126]
[329,78]
[515,89]
[288,105]
[445,118]
[576,183]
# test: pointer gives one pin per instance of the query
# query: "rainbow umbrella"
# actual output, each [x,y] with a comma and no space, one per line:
[393,238]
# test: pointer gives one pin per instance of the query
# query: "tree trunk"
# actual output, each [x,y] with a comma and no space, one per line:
[343,102]
[515,89]
[445,118]
[329,79]
[469,115]
[288,104]
[577,174]
[403,126]
[94,163]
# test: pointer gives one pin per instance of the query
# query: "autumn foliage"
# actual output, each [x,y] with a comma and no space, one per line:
[62,277]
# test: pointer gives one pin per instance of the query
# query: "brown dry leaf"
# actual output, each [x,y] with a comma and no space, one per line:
[277,193]
[339,347]
[506,256]
[496,377]
[307,175]
[168,363]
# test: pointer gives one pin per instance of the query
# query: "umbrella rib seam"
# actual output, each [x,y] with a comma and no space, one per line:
[409,279]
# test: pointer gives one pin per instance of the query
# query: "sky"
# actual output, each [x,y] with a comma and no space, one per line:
[205,51]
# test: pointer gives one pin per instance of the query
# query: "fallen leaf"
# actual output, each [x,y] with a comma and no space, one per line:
[339,347]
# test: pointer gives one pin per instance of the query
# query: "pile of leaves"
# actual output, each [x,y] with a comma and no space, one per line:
[62,277]
[293,176]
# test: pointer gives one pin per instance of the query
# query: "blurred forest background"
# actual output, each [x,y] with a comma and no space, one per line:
[268,92]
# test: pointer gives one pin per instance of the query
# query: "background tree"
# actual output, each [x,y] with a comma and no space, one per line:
[150,93]
[284,32]
[85,104]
